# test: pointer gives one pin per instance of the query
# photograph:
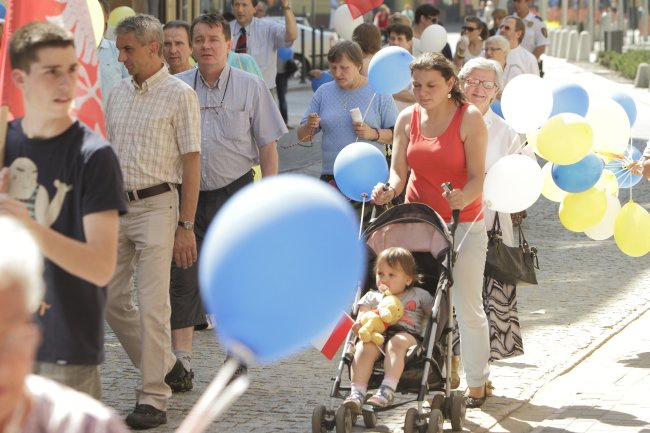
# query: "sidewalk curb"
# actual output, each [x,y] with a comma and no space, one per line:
[569,366]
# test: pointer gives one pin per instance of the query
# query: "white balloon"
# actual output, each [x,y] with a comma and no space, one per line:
[512,184]
[610,124]
[344,24]
[433,38]
[605,228]
[527,102]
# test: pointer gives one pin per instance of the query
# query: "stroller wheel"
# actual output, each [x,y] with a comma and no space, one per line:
[343,419]
[369,418]
[413,422]
[319,422]
[457,411]
[436,421]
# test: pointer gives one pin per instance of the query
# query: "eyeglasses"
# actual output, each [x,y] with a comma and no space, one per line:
[474,82]
[488,49]
[468,28]
[505,27]
[434,20]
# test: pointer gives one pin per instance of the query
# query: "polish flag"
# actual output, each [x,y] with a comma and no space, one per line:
[360,7]
[330,341]
[73,15]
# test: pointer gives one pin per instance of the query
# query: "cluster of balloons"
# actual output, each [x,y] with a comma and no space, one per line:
[119,13]
[586,144]
[283,222]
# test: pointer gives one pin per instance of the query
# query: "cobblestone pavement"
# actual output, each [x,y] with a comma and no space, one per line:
[587,292]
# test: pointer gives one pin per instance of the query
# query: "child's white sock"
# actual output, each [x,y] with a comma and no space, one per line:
[360,387]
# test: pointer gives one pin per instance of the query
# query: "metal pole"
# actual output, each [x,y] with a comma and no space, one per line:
[565,10]
[590,21]
[303,72]
[644,17]
[543,9]
[313,47]
[322,46]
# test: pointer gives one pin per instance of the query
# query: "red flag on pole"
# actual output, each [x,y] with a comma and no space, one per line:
[332,338]
[360,7]
[74,16]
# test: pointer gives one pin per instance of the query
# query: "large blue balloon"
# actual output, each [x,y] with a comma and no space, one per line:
[624,176]
[580,176]
[388,71]
[285,54]
[496,107]
[628,105]
[279,264]
[358,168]
[325,77]
[570,98]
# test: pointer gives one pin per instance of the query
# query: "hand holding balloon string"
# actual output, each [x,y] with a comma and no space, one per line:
[313,122]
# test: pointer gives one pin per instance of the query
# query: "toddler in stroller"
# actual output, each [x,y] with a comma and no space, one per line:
[395,271]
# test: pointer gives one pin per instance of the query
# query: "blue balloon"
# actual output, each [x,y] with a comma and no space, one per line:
[624,176]
[280,263]
[285,54]
[580,176]
[628,105]
[325,77]
[388,71]
[496,107]
[570,98]
[3,11]
[358,168]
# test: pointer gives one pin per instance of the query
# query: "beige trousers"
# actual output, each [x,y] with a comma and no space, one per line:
[145,244]
[83,378]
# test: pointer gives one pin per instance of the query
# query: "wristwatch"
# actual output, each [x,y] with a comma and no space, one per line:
[287,7]
[187,225]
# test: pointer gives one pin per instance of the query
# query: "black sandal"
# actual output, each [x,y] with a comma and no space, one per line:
[474,402]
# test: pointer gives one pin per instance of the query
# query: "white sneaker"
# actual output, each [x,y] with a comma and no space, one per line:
[209,319]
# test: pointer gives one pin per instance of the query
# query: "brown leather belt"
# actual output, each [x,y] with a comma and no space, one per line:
[139,194]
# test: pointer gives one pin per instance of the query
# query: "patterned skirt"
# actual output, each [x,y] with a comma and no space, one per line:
[500,305]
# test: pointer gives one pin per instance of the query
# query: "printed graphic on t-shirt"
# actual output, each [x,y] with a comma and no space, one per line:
[24,187]
[406,318]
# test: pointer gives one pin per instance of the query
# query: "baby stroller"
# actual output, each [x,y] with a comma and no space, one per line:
[419,229]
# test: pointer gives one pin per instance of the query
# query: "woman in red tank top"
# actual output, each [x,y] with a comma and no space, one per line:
[441,139]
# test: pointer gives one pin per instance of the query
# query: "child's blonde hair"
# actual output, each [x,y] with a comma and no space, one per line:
[394,256]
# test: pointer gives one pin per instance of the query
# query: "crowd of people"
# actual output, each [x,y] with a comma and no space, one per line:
[189,110]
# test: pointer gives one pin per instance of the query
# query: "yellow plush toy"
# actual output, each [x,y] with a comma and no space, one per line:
[375,322]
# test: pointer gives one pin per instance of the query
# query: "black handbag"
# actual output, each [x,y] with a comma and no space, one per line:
[510,265]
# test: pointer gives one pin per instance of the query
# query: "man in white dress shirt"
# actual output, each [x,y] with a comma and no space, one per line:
[261,38]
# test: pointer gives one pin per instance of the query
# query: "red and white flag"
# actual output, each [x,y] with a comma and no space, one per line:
[74,16]
[331,339]
[360,7]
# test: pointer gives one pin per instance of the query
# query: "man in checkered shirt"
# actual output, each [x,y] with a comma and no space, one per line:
[153,123]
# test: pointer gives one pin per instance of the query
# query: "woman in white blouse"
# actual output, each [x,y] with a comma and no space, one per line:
[481,81]
[497,48]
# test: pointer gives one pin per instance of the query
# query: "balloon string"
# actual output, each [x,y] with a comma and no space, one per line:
[468,230]
[364,196]
[219,395]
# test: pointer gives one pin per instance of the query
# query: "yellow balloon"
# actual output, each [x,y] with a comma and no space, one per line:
[583,210]
[608,183]
[550,190]
[565,139]
[632,230]
[97,19]
[257,171]
[119,13]
[610,125]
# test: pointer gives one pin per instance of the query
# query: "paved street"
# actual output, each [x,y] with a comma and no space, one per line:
[588,292]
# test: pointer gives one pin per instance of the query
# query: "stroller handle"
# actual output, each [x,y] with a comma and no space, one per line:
[455,213]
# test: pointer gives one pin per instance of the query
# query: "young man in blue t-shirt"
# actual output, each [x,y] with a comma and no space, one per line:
[63,181]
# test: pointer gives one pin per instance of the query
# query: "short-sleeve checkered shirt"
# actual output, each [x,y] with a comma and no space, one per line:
[151,126]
